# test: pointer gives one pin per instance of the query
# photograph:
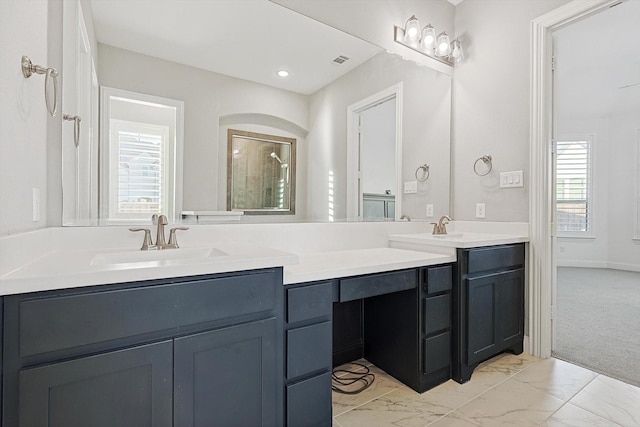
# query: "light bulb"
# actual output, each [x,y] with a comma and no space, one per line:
[457,52]
[428,39]
[443,47]
[412,30]
[283,73]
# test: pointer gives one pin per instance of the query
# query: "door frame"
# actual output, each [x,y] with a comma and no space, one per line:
[542,246]
[354,190]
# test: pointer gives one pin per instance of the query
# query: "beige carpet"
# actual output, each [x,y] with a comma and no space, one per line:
[598,321]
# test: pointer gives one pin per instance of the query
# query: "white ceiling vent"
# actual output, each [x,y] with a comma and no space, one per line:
[341,59]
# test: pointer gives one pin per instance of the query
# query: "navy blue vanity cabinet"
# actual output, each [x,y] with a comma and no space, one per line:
[308,337]
[408,333]
[488,305]
[196,351]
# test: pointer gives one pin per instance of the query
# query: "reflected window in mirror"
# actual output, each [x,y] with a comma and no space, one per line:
[141,156]
[261,172]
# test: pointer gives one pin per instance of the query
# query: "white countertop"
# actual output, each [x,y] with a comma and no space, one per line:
[334,264]
[60,258]
[72,269]
[459,239]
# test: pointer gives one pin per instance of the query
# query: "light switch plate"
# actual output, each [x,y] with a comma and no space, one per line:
[511,179]
[410,187]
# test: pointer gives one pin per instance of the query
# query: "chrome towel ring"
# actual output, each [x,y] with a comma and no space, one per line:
[76,127]
[422,177]
[486,160]
[51,74]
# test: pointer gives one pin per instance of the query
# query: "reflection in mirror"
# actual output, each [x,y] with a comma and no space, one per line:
[261,173]
[231,83]
[141,156]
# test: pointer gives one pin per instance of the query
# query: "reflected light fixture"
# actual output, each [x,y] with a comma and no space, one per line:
[426,42]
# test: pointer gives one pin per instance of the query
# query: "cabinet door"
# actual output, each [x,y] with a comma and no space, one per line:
[482,317]
[511,310]
[131,387]
[227,377]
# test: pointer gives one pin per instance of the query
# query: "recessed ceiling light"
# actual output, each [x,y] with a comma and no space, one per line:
[283,73]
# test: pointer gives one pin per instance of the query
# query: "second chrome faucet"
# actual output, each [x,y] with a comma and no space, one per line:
[441,226]
[161,243]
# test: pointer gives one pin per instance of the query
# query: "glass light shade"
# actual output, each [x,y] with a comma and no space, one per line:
[457,53]
[443,48]
[428,38]
[412,30]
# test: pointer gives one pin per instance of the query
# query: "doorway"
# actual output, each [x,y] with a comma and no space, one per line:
[596,110]
[374,156]
[543,247]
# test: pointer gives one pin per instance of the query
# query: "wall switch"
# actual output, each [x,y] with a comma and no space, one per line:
[511,179]
[480,210]
[36,204]
[430,210]
[410,187]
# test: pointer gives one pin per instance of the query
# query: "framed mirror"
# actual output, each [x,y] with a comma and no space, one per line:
[261,173]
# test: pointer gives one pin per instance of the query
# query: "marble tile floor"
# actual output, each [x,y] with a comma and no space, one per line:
[507,390]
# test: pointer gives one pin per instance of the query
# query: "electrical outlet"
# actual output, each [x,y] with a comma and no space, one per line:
[480,210]
[36,204]
[430,210]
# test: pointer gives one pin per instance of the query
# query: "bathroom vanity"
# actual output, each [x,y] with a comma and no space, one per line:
[242,345]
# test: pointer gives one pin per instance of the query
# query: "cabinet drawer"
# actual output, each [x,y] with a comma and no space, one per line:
[437,279]
[308,302]
[309,402]
[494,257]
[308,349]
[63,322]
[437,313]
[376,284]
[437,352]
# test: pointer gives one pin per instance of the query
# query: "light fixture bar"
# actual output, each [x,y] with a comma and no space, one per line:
[399,38]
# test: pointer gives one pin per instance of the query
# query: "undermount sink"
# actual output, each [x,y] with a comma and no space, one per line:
[448,236]
[164,256]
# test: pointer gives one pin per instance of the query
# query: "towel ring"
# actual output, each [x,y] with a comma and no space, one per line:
[486,159]
[76,127]
[424,174]
[51,74]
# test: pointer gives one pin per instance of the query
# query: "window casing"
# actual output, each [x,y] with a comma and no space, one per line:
[574,187]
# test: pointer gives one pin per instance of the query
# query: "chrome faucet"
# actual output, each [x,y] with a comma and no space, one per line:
[441,226]
[161,243]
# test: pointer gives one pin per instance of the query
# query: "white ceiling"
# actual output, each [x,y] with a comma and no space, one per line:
[599,64]
[248,39]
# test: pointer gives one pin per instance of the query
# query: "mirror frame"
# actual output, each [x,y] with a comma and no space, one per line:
[231,133]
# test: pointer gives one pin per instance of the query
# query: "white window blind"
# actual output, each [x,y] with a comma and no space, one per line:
[138,184]
[574,208]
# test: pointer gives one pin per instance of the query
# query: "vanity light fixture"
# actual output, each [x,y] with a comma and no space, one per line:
[282,73]
[426,42]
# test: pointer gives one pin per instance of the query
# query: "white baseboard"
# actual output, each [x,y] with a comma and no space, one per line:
[599,264]
[624,266]
[582,264]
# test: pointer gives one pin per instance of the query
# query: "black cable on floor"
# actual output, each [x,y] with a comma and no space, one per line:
[363,376]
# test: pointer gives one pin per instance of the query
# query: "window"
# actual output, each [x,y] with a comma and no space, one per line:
[142,158]
[574,181]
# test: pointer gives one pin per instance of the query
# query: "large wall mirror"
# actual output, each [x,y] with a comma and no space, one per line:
[183,52]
